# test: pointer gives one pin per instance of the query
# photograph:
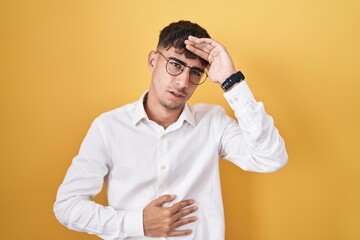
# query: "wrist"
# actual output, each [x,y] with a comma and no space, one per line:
[232,80]
[226,76]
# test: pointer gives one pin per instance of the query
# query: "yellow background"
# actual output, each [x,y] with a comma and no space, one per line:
[62,63]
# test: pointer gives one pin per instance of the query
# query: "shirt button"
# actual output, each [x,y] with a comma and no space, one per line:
[249,122]
[163,167]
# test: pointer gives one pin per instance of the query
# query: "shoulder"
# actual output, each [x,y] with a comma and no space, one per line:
[122,113]
[207,111]
[215,115]
[203,108]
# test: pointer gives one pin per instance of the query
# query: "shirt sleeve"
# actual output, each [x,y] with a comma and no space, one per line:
[253,142]
[84,179]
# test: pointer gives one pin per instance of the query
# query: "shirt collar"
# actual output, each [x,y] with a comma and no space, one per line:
[139,113]
[187,115]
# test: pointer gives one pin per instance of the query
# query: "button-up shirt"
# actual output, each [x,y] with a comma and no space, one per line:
[139,161]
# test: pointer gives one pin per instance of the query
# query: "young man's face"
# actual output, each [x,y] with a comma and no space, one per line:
[172,92]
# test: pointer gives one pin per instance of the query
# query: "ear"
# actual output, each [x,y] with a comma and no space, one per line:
[152,60]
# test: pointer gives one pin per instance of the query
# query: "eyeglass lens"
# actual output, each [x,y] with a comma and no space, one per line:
[197,76]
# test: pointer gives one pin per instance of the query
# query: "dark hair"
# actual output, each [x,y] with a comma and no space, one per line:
[176,33]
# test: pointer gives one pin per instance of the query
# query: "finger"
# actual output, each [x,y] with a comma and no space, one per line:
[198,40]
[180,205]
[184,221]
[162,200]
[184,212]
[206,44]
[198,52]
[205,41]
[178,233]
[203,46]
[193,38]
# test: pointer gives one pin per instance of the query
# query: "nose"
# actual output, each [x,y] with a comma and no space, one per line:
[182,80]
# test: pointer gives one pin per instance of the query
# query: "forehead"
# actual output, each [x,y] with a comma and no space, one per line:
[180,54]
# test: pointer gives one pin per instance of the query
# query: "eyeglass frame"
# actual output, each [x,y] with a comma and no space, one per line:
[203,71]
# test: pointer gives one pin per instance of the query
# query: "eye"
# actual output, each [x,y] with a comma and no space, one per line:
[175,64]
[196,73]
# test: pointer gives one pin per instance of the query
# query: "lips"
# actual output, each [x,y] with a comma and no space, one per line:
[177,94]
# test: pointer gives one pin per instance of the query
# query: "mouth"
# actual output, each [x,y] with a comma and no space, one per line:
[177,94]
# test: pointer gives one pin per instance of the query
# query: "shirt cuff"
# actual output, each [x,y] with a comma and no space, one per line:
[133,223]
[239,96]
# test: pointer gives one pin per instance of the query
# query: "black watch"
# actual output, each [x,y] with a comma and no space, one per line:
[230,81]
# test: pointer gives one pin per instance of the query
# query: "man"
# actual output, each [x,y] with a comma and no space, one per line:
[159,156]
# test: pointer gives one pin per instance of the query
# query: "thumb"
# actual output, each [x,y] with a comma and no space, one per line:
[162,200]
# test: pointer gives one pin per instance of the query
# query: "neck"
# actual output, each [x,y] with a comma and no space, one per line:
[159,113]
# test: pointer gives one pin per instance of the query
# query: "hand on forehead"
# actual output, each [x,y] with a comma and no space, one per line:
[202,47]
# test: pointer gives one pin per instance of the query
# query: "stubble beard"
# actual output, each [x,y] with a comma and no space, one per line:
[174,105]
[171,105]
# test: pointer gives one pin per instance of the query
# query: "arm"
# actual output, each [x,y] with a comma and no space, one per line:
[75,209]
[84,179]
[253,143]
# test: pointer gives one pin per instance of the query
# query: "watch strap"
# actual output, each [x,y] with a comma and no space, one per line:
[230,81]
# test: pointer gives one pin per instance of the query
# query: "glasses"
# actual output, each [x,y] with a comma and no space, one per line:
[175,67]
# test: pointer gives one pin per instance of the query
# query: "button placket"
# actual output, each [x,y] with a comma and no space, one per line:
[162,164]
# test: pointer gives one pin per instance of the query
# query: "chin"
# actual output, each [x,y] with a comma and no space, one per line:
[171,105]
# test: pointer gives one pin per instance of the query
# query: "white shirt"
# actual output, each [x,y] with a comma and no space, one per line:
[140,161]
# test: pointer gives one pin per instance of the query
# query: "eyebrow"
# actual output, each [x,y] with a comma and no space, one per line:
[184,63]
